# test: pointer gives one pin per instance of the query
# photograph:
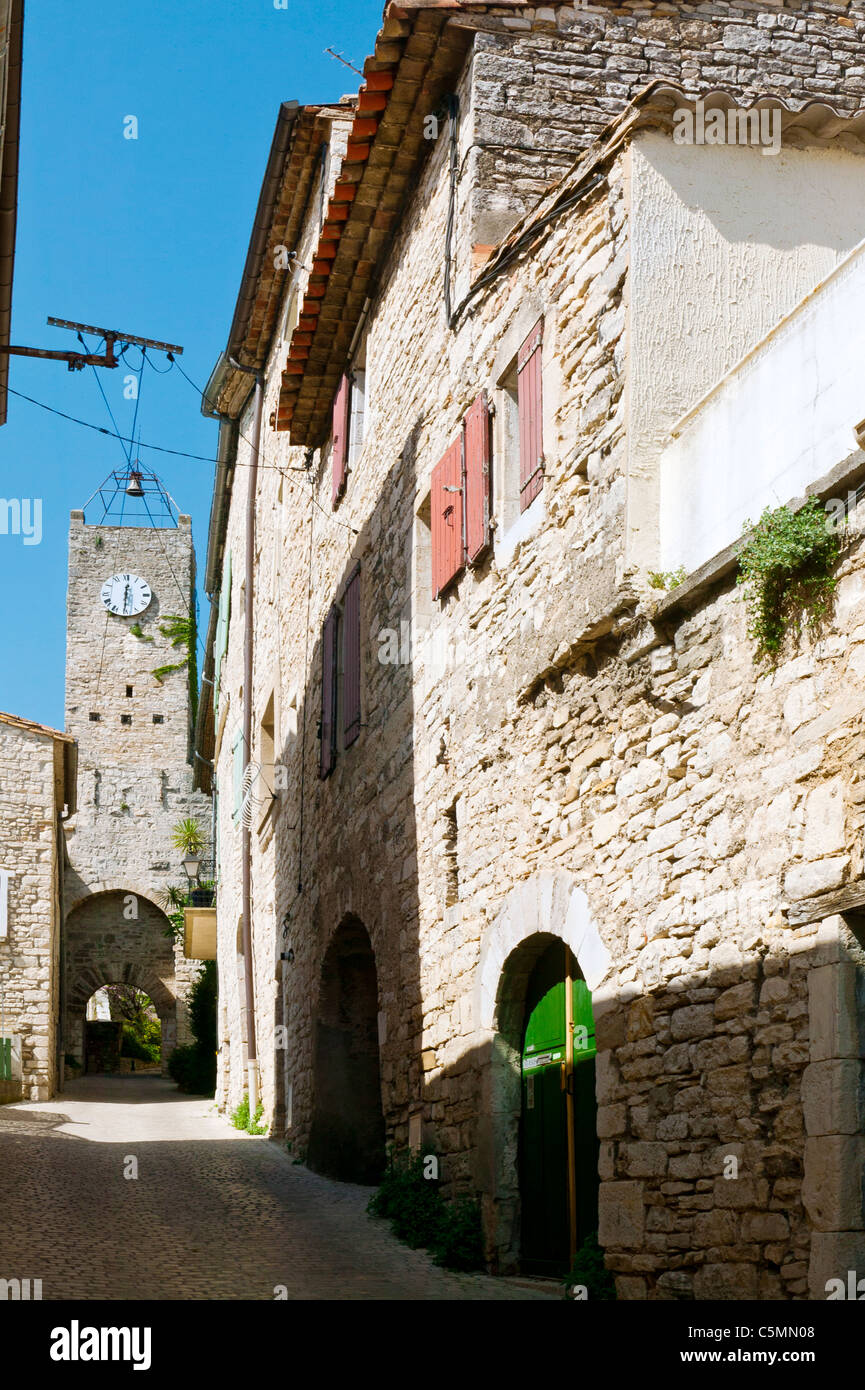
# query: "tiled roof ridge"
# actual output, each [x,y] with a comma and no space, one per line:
[32,726]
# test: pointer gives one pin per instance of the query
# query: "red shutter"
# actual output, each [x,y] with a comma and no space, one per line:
[351,660]
[340,437]
[446,503]
[530,405]
[328,693]
[477,481]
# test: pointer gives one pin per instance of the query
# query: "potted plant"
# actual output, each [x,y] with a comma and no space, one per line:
[188,837]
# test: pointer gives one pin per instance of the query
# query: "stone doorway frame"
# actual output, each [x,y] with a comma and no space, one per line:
[78,988]
[550,904]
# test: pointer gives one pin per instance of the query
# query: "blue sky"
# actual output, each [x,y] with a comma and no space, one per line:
[146,235]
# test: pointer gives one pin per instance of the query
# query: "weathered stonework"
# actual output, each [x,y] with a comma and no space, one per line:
[36,778]
[135,777]
[551,752]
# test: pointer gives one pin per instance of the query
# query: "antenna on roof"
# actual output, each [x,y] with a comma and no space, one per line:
[339,58]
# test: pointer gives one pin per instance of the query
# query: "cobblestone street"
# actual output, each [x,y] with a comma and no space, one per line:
[212,1214]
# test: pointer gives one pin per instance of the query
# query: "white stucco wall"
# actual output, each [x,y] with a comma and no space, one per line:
[724,242]
[734,456]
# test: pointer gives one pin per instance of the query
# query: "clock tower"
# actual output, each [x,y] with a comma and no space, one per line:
[130,691]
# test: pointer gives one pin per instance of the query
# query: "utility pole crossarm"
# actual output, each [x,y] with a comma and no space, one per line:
[77,361]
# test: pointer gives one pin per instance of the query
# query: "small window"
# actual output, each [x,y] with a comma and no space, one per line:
[530,405]
[126,718]
[266,747]
[95,718]
[129,692]
[159,718]
[519,432]
[349,420]
[238,769]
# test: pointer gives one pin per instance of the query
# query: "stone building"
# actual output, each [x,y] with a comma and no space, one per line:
[37,794]
[519,354]
[134,731]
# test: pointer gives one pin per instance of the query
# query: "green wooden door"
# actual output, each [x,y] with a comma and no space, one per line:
[544,1172]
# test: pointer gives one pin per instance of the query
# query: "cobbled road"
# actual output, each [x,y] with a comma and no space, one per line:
[212,1214]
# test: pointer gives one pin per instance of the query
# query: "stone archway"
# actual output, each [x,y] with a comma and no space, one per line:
[347,1135]
[118,937]
[549,905]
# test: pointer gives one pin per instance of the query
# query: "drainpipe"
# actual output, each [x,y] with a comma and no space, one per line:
[248,640]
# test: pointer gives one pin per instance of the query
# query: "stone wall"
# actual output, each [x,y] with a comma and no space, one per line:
[135,773]
[30,847]
[536,723]
[548,80]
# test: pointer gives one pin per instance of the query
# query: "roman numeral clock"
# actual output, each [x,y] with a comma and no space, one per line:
[126,595]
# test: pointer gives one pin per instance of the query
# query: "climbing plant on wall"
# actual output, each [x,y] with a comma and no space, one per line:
[182,632]
[787,568]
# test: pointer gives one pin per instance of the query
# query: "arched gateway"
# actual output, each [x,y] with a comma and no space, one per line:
[118,937]
[541,959]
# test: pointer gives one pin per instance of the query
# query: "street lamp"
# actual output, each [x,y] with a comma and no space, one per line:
[192,865]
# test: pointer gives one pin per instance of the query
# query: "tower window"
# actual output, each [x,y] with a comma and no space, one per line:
[126,718]
[159,718]
[95,718]
[129,692]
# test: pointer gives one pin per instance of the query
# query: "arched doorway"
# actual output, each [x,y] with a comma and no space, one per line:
[118,938]
[558,1141]
[544,914]
[347,1134]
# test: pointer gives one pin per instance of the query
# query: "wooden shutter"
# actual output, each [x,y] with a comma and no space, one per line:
[351,660]
[446,518]
[328,693]
[340,437]
[477,478]
[530,405]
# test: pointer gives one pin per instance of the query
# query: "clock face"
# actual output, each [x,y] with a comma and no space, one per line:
[126,594]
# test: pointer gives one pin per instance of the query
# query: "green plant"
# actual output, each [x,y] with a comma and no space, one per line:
[459,1242]
[143,1042]
[98,543]
[787,567]
[590,1272]
[241,1118]
[188,836]
[667,579]
[136,631]
[193,1066]
[182,632]
[419,1215]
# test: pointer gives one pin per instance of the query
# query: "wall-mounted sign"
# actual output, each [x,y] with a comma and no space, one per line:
[4,902]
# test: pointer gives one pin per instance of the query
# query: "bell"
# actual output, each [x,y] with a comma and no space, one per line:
[134,488]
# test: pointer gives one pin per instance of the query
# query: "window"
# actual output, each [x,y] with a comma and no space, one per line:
[341,675]
[223,620]
[126,718]
[266,746]
[95,718]
[328,693]
[129,692]
[158,719]
[530,407]
[349,412]
[238,767]
[351,660]
[460,499]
